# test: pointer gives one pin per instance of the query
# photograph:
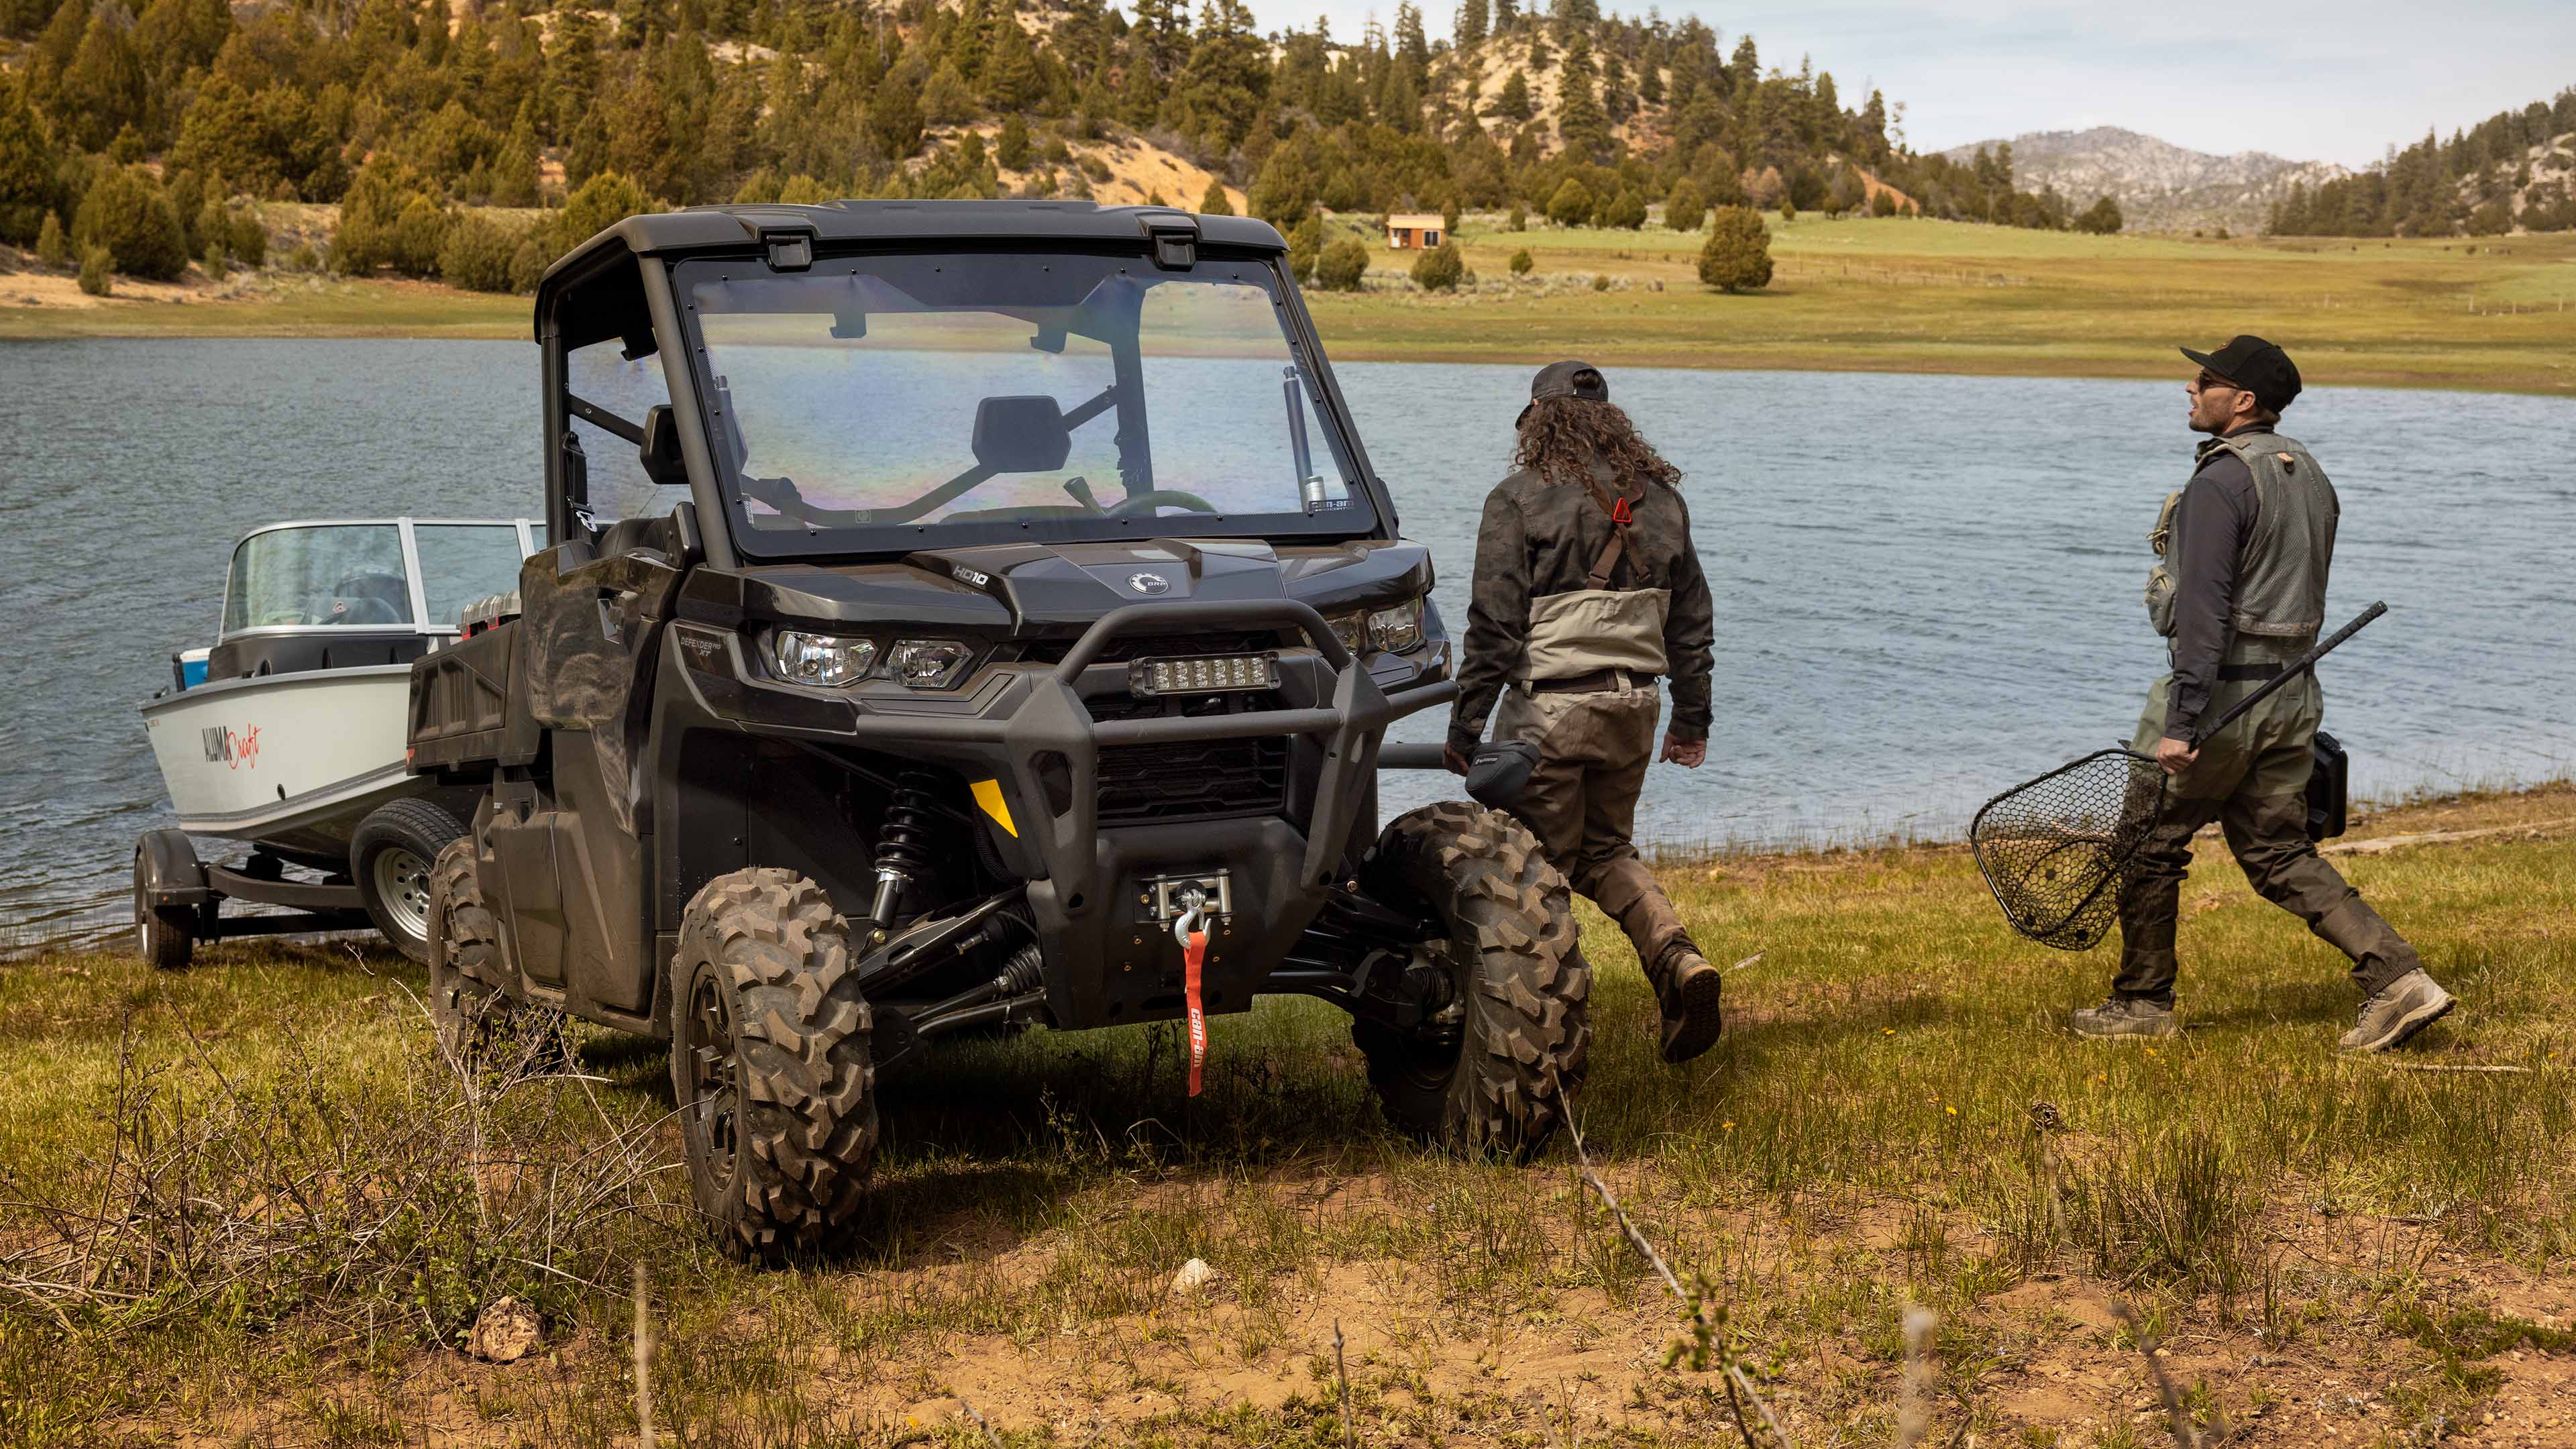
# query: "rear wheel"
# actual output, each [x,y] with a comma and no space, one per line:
[164,936]
[390,857]
[770,1063]
[478,1025]
[1486,1074]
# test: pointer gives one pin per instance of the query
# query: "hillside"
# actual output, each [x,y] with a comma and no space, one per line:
[476,140]
[2158,185]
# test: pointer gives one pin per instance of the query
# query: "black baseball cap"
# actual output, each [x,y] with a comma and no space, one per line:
[1567,379]
[2255,365]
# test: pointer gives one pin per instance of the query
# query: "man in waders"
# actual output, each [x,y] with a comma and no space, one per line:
[1587,589]
[2238,591]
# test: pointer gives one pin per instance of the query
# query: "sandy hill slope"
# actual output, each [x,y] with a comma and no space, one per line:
[2159,186]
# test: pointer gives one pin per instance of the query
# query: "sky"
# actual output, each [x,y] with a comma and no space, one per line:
[2312,80]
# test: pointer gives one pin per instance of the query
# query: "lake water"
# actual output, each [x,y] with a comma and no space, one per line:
[1926,587]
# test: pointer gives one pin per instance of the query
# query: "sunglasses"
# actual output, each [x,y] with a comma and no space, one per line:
[2208,380]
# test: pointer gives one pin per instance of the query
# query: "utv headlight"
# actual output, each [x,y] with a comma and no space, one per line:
[928,663]
[1397,630]
[1352,630]
[825,660]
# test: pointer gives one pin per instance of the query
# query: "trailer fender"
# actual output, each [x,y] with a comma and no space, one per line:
[173,875]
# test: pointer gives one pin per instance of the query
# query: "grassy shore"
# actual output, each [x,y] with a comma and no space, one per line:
[1853,295]
[247,1204]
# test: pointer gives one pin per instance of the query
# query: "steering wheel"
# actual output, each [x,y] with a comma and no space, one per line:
[1159,498]
[363,599]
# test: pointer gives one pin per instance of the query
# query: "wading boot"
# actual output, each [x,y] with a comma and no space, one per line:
[2404,1007]
[2126,1016]
[1687,988]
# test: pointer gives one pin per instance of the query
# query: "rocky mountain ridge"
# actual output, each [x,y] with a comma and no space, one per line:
[2158,185]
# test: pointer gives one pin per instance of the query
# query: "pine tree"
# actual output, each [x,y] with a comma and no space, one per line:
[894,120]
[1737,255]
[127,213]
[1012,79]
[1468,30]
[1214,203]
[1579,121]
[1512,102]
[1439,269]
[1686,207]
[103,88]
[1626,211]
[1572,203]
[53,248]
[29,159]
[1011,149]
[945,101]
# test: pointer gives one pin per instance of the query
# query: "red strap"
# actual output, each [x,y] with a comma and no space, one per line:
[1192,956]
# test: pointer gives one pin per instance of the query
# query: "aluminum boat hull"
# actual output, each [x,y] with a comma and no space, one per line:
[292,761]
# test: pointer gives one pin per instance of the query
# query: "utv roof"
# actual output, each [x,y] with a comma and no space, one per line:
[732,228]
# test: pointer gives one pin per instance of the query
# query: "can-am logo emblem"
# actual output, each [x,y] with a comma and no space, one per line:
[1149,583]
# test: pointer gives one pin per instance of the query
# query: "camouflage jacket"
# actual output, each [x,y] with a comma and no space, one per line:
[1538,541]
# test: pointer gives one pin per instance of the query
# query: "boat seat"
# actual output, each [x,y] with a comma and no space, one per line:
[633,535]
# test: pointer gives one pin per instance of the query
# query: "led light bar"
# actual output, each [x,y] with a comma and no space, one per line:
[1220,674]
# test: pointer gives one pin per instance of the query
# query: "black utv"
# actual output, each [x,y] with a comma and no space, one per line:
[952,610]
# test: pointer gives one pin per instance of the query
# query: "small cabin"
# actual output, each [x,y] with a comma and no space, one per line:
[1415,233]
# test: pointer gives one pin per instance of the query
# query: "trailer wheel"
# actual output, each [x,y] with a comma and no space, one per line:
[390,857]
[1487,1078]
[477,1023]
[770,1063]
[164,936]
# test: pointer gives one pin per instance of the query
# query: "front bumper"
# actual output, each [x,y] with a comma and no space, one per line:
[1026,728]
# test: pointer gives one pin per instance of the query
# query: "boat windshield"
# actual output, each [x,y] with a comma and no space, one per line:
[463,562]
[985,397]
[356,575]
[346,574]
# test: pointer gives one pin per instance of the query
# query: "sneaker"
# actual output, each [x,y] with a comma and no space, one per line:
[1688,992]
[2404,1007]
[2126,1016]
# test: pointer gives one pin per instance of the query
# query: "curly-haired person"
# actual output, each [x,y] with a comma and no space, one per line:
[1587,591]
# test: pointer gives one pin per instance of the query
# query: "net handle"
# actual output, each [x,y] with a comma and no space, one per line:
[2305,662]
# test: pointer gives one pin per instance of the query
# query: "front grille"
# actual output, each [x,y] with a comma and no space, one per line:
[1193,780]
[1157,646]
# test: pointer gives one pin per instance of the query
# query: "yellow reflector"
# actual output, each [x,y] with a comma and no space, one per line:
[988,793]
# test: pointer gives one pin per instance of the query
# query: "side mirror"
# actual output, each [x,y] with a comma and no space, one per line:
[1021,435]
[660,450]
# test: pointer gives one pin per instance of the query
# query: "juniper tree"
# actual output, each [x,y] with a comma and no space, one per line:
[1737,255]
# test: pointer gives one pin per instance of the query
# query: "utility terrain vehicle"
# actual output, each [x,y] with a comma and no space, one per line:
[963,613]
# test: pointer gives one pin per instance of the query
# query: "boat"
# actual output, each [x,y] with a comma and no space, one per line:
[288,732]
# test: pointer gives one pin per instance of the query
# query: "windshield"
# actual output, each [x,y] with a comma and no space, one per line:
[463,562]
[332,574]
[873,401]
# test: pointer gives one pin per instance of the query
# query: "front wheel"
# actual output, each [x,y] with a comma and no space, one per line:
[1487,1074]
[770,1063]
[390,856]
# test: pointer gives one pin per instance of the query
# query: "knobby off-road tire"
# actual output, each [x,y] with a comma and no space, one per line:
[1522,980]
[391,856]
[770,1063]
[479,1026]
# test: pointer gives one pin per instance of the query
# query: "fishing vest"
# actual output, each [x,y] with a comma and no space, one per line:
[1584,631]
[2281,567]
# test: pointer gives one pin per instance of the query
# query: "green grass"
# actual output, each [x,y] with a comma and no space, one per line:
[1876,295]
[1901,296]
[1864,1138]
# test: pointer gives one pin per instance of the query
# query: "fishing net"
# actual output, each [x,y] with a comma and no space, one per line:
[2055,851]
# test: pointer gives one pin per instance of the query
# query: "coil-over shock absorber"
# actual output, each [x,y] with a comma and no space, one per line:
[903,842]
